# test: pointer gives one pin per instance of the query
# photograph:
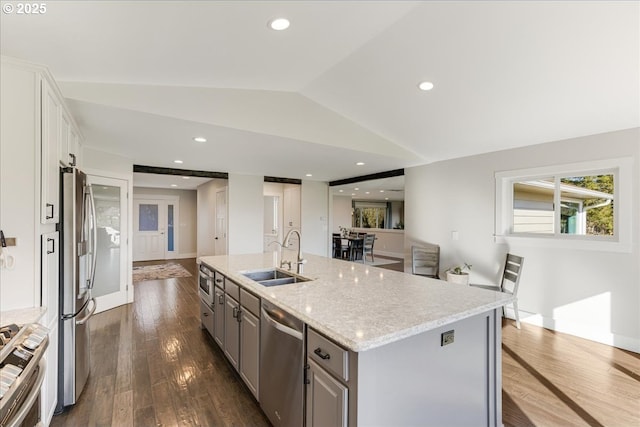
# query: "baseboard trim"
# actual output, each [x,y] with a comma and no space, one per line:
[389,254]
[577,329]
[187,255]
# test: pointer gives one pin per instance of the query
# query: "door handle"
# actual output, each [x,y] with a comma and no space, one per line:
[47,216]
[53,246]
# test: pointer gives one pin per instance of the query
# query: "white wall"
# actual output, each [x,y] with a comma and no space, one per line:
[101,160]
[246,214]
[341,213]
[206,213]
[187,215]
[589,293]
[20,187]
[314,217]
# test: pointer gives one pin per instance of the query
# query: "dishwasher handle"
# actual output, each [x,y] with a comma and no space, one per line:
[279,326]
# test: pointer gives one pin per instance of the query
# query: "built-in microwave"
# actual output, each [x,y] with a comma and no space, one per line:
[206,284]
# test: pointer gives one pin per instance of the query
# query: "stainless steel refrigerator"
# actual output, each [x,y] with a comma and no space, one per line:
[77,271]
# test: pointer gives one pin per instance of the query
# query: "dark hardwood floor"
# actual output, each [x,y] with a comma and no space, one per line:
[152,365]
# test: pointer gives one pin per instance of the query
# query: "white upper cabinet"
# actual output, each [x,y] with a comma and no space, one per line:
[69,141]
[51,131]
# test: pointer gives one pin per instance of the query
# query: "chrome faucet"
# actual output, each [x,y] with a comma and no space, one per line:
[285,244]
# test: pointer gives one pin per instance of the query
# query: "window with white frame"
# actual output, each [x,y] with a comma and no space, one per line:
[587,202]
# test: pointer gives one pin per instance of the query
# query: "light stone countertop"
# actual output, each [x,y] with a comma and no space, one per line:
[22,316]
[360,306]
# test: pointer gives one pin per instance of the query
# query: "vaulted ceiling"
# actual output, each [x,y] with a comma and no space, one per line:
[143,78]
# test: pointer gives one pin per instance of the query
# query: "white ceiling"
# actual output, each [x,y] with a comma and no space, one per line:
[337,87]
[391,189]
[176,182]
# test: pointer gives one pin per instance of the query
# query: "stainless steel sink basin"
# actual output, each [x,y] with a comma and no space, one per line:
[274,277]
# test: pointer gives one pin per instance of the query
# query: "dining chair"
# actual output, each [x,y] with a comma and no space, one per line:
[339,250]
[369,240]
[509,282]
[356,249]
[425,260]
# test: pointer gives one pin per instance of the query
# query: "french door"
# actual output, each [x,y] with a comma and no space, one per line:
[110,288]
[154,235]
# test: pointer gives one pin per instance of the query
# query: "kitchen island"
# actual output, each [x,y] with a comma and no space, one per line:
[417,351]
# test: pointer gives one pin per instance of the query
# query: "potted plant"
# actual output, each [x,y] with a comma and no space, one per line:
[458,274]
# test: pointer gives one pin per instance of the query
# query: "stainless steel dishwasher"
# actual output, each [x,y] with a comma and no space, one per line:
[281,367]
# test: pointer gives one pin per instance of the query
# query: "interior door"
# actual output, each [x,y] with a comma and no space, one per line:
[110,285]
[221,222]
[150,219]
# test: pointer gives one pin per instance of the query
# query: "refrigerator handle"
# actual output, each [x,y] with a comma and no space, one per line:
[94,238]
[91,311]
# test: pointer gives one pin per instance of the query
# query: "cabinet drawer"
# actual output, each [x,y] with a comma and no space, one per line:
[250,302]
[328,354]
[232,289]
[206,317]
[219,279]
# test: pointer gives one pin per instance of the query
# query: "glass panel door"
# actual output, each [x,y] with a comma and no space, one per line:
[110,284]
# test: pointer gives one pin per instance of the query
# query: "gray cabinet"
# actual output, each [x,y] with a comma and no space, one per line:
[207,317]
[250,341]
[232,331]
[327,382]
[327,399]
[218,312]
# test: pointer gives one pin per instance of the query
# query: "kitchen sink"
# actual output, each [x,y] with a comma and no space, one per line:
[274,277]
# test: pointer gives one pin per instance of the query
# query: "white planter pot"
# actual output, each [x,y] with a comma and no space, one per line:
[460,279]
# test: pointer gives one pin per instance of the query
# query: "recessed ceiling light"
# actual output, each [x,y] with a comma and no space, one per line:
[386,198]
[425,86]
[353,194]
[199,139]
[360,164]
[366,192]
[382,191]
[178,162]
[174,185]
[340,191]
[186,177]
[279,24]
[308,174]
[356,188]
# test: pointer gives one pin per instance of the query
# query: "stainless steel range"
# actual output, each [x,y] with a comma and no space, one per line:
[22,371]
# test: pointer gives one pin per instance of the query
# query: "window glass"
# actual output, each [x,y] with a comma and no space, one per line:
[587,206]
[148,218]
[533,207]
[170,236]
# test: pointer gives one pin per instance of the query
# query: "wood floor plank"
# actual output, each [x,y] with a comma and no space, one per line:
[153,365]
[123,409]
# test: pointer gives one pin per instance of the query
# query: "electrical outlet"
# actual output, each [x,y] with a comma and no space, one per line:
[446,338]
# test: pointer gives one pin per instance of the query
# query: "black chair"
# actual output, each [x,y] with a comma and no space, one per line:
[356,249]
[509,282]
[339,250]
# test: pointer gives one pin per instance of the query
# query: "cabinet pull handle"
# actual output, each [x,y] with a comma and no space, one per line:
[323,356]
[53,246]
[49,205]
[73,159]
[205,314]
[235,312]
[239,316]
[220,299]
[218,280]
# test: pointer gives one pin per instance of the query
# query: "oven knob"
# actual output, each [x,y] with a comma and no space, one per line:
[30,343]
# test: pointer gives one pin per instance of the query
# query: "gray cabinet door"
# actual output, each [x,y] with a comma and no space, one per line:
[327,399]
[218,313]
[206,317]
[250,350]
[231,331]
